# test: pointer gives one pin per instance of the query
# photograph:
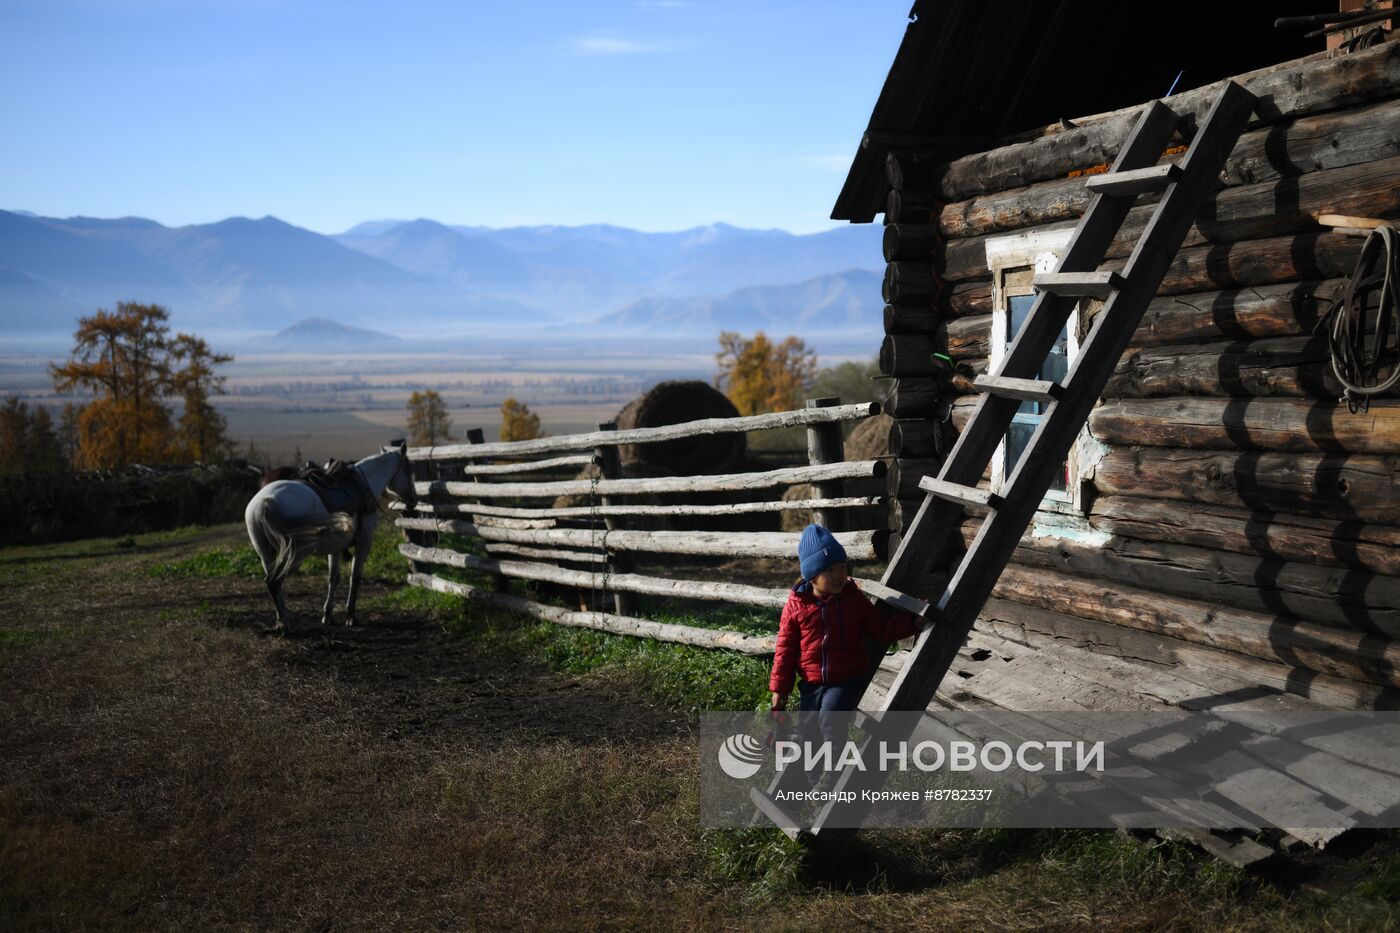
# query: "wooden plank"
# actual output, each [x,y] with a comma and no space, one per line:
[531,466]
[605,581]
[669,432]
[960,494]
[720,482]
[859,545]
[605,622]
[901,601]
[1134,182]
[1033,390]
[601,511]
[1079,284]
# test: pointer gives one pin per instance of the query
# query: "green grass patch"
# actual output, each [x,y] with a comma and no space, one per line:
[681,676]
[383,564]
[18,638]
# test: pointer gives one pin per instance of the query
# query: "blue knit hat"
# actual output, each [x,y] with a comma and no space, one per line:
[817,550]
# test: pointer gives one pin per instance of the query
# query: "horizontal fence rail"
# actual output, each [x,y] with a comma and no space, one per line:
[613,511]
[607,622]
[859,545]
[669,432]
[725,482]
[592,546]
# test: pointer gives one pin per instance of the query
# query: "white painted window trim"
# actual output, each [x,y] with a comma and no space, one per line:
[1059,514]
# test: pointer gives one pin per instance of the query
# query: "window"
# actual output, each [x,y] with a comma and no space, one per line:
[1014,260]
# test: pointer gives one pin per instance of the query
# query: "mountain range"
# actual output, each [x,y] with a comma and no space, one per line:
[419,277]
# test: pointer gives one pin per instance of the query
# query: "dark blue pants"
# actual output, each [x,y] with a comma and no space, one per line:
[820,699]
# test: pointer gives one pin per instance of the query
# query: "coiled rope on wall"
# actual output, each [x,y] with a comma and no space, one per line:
[1366,368]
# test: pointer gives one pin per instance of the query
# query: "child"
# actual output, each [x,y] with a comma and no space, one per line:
[821,628]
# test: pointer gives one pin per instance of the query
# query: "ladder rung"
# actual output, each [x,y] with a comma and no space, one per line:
[893,596]
[1027,390]
[963,495]
[781,816]
[1079,284]
[1134,182]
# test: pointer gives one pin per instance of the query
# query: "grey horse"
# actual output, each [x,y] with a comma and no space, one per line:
[287,523]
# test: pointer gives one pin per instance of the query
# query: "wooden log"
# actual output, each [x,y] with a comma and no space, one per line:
[1283,310]
[908,355]
[1033,626]
[1346,543]
[910,319]
[553,555]
[910,243]
[962,298]
[618,625]
[906,472]
[496,521]
[910,207]
[1325,595]
[966,337]
[1250,212]
[709,590]
[449,508]
[1332,651]
[1270,261]
[921,438]
[860,545]
[918,169]
[1248,424]
[1350,488]
[1283,94]
[826,445]
[719,482]
[915,397]
[531,466]
[667,432]
[1299,367]
[1297,147]
[910,283]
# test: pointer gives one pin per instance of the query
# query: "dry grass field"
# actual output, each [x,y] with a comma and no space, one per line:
[166,764]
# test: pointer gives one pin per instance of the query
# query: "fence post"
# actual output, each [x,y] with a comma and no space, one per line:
[499,582]
[825,445]
[610,467]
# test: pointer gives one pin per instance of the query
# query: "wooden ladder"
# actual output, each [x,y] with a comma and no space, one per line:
[1066,407]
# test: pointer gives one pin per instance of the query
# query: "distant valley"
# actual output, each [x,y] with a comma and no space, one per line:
[415,278]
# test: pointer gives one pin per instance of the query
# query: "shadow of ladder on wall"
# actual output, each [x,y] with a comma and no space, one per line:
[1067,406]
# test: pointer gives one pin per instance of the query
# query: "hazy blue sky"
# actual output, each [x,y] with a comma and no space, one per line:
[656,114]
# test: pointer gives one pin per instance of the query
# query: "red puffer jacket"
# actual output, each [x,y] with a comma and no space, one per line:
[822,637]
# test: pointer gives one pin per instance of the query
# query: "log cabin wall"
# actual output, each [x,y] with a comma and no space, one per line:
[1232,513]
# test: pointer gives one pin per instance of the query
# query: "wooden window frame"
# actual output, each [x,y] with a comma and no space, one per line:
[1013,261]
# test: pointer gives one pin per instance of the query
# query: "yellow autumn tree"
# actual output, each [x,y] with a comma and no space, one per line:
[428,422]
[201,433]
[760,376]
[128,363]
[518,423]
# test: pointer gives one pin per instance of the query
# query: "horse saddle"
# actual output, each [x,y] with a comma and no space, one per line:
[340,487]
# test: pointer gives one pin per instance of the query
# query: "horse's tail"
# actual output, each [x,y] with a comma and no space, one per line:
[294,536]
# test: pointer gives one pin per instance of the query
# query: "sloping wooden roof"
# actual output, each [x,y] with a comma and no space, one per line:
[971,71]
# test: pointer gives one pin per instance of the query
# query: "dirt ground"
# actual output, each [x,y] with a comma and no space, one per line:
[166,763]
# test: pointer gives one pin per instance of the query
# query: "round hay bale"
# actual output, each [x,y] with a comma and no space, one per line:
[672,403]
[871,439]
